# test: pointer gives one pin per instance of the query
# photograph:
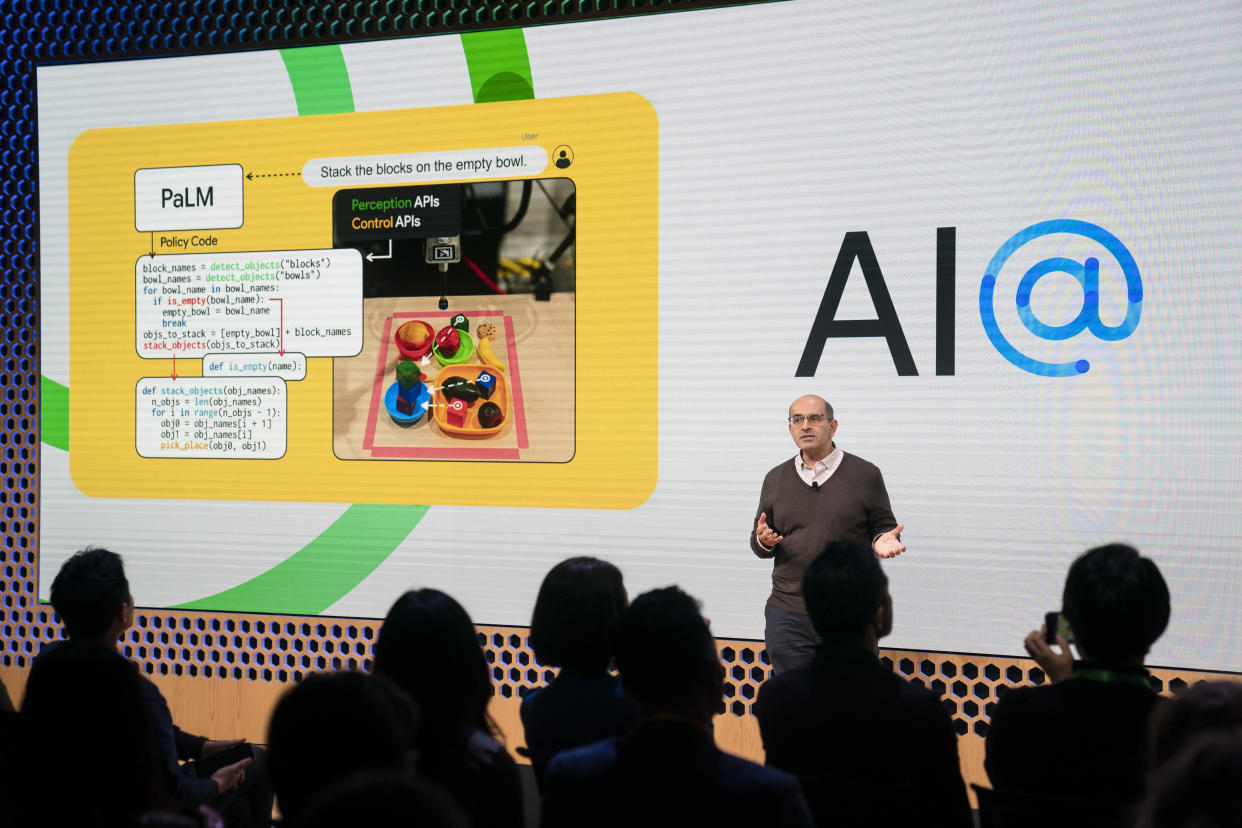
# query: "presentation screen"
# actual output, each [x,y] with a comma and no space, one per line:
[341,321]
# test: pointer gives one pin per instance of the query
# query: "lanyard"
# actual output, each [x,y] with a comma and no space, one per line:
[1111,676]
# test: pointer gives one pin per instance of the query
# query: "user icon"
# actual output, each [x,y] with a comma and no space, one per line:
[564,156]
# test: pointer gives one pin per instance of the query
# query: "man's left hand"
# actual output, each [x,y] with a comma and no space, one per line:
[889,545]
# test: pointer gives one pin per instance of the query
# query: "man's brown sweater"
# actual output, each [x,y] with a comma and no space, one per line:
[851,505]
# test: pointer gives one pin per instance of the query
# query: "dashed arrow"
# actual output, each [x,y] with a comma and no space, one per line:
[251,176]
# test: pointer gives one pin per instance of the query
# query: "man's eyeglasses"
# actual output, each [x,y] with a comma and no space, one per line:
[814,419]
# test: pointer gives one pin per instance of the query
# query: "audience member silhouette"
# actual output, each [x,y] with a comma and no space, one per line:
[870,748]
[667,771]
[578,602]
[383,799]
[334,725]
[84,703]
[1206,707]
[429,648]
[91,595]
[1084,736]
[1199,787]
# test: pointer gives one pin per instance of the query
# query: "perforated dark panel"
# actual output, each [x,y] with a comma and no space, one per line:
[969,685]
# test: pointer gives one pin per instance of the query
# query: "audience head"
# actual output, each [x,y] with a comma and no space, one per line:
[847,596]
[332,725]
[428,646]
[578,602]
[1117,604]
[91,596]
[1198,788]
[667,657]
[83,698]
[1206,707]
[383,799]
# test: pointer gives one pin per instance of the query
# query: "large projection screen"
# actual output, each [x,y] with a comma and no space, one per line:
[1036,207]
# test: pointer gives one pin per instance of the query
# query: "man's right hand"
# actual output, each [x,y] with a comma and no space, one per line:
[230,776]
[765,534]
[1058,666]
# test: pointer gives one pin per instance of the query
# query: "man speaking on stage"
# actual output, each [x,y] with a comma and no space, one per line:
[821,495]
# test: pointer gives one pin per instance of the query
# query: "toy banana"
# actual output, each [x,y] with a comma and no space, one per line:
[484,349]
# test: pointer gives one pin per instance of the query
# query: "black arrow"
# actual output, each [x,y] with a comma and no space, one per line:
[251,176]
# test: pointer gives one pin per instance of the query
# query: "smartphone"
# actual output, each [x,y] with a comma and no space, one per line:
[1054,625]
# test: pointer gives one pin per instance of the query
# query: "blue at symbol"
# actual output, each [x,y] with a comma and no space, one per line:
[1087,274]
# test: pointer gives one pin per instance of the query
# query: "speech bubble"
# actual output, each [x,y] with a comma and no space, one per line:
[419,167]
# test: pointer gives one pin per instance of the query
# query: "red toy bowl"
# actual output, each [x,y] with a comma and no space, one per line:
[403,337]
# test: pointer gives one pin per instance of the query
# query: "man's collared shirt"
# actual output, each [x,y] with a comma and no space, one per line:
[822,470]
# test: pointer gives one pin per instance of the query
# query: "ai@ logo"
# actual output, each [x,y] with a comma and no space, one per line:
[1002,274]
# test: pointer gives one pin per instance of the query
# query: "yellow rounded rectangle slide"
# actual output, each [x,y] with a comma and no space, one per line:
[373,248]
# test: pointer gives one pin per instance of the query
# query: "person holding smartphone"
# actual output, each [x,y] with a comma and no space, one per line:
[1083,735]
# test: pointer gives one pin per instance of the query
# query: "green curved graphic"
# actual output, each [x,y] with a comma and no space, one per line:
[499,66]
[53,413]
[320,80]
[326,569]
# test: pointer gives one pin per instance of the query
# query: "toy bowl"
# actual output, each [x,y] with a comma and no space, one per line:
[409,350]
[471,427]
[406,420]
[464,352]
